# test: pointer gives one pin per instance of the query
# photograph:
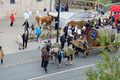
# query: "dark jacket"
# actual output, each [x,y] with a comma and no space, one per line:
[26,24]
[66,29]
[45,56]
[62,39]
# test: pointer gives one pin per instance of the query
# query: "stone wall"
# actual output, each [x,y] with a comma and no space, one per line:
[21,5]
[79,4]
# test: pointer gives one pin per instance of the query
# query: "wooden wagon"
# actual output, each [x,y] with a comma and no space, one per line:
[103,38]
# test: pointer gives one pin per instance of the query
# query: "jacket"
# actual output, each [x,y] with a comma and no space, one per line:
[12,18]
[26,24]
[38,30]
[62,39]
[45,56]
[1,54]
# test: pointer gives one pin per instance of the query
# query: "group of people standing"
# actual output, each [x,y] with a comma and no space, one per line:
[63,7]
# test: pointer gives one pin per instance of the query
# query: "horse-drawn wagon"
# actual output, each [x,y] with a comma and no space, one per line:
[103,38]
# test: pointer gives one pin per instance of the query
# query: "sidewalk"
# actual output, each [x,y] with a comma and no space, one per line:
[8,36]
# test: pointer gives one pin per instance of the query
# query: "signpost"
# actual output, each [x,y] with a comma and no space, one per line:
[58,20]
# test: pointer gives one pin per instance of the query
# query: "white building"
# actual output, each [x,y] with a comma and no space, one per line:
[18,7]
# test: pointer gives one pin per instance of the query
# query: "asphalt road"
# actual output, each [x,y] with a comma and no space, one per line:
[26,66]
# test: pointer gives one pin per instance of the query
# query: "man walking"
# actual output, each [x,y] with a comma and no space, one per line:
[25,39]
[12,19]
[63,41]
[26,26]
[45,57]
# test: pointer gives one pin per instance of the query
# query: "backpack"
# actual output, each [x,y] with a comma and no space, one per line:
[61,53]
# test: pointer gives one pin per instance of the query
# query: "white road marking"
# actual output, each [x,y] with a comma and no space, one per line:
[40,77]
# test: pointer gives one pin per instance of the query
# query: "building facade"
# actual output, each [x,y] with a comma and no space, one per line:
[18,7]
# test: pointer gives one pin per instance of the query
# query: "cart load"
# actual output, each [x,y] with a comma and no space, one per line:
[103,38]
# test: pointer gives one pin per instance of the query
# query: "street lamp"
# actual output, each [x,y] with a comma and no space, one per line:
[58,20]
[50,5]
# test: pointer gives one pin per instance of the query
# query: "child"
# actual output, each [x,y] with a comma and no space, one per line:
[1,54]
[20,41]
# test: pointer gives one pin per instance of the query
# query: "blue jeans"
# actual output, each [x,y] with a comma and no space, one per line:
[37,36]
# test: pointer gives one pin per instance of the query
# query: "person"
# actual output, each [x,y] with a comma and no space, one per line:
[20,41]
[45,57]
[69,31]
[25,39]
[26,26]
[12,19]
[37,32]
[63,41]
[43,51]
[63,8]
[60,56]
[66,7]
[57,7]
[26,15]
[1,54]
[99,20]
[65,31]
[32,29]
[69,39]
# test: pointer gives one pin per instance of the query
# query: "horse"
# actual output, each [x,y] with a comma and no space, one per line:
[44,20]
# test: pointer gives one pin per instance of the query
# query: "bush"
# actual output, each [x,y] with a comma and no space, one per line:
[107,69]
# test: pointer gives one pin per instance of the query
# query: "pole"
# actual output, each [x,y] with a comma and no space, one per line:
[58,20]
[50,5]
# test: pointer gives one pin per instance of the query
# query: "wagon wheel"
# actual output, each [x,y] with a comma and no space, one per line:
[86,53]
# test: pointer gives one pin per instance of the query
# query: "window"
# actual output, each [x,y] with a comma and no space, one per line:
[39,0]
[12,1]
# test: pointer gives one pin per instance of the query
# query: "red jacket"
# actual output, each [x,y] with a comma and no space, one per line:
[12,18]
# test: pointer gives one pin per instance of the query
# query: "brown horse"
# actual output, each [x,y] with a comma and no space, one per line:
[44,20]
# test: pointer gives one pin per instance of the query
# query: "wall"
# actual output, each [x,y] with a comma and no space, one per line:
[21,5]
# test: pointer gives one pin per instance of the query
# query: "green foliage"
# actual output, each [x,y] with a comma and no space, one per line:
[104,38]
[107,69]
[69,51]
[109,66]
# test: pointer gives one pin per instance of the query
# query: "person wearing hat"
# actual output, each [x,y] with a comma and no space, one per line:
[1,54]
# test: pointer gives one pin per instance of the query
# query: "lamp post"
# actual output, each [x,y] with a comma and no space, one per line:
[50,5]
[58,20]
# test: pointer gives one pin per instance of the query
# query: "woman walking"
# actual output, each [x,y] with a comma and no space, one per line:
[12,19]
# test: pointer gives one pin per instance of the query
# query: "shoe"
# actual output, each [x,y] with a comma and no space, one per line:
[66,63]
[71,62]
[59,66]
[46,72]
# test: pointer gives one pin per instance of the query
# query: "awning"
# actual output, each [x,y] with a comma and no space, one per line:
[115,8]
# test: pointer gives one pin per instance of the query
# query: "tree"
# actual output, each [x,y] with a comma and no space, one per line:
[107,69]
